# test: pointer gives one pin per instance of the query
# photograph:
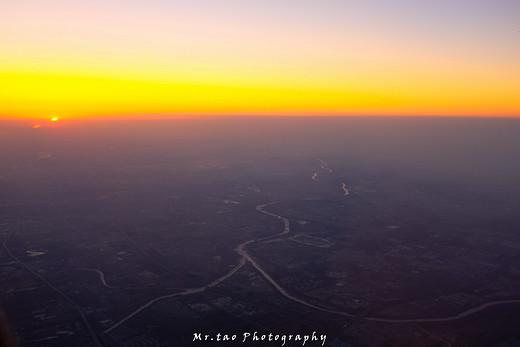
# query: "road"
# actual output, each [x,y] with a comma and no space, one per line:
[101,276]
[56,289]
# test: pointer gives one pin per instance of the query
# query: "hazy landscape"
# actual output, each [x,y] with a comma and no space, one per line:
[371,231]
[259,173]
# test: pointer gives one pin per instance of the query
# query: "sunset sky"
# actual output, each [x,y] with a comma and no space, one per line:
[72,59]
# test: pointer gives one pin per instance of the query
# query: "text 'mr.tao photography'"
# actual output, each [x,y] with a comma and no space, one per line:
[306,339]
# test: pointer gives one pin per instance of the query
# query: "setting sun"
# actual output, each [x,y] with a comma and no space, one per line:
[272,172]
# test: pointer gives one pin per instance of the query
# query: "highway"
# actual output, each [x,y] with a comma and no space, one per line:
[53,287]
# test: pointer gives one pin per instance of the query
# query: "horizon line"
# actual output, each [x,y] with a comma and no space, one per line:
[165,116]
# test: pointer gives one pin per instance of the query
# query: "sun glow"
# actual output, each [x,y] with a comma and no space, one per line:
[96,58]
[54,119]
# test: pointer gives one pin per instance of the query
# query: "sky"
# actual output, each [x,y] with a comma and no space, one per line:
[71,59]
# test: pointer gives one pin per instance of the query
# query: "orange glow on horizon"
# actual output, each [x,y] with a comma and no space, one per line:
[29,96]
[310,59]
